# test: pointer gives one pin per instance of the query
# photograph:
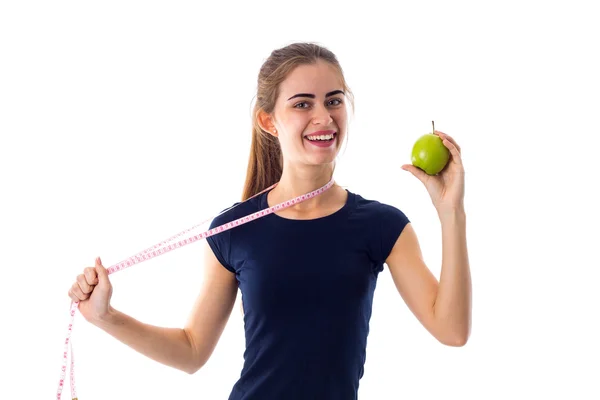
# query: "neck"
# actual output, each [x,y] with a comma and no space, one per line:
[298,181]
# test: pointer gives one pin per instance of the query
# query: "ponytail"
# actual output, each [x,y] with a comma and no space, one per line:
[265,163]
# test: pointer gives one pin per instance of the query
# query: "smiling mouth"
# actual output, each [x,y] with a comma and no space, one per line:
[321,138]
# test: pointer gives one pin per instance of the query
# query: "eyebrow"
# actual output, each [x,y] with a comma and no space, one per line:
[312,96]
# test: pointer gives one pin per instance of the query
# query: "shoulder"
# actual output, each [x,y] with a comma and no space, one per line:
[382,222]
[220,243]
[378,210]
[235,211]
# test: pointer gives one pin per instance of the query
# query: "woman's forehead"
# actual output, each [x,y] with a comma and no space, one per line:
[317,79]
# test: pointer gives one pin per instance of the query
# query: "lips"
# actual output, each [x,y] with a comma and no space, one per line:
[319,133]
[322,143]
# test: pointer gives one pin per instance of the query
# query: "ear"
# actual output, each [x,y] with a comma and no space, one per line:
[265,121]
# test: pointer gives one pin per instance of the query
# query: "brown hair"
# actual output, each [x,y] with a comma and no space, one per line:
[266,161]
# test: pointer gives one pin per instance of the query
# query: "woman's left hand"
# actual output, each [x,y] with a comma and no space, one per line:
[446,189]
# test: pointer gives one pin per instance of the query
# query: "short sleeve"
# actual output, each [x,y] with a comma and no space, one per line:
[393,221]
[220,244]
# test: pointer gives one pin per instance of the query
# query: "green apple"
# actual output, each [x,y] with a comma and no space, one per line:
[429,153]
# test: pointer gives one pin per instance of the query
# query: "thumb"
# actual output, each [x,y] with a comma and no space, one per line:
[101,271]
[417,172]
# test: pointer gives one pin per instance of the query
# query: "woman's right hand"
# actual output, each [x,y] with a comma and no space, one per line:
[93,291]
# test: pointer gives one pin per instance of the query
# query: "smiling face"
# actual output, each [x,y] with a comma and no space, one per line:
[310,115]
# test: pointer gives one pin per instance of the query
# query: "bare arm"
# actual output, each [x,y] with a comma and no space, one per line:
[186,349]
[443,308]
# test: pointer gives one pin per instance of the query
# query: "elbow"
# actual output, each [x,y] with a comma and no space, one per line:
[191,371]
[196,360]
[197,364]
[456,341]
[195,368]
[454,335]
[454,338]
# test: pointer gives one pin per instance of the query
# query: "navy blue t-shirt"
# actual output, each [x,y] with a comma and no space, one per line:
[307,290]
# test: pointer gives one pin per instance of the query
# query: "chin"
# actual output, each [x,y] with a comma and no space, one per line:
[321,161]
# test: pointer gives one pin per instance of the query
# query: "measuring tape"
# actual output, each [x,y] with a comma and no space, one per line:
[159,249]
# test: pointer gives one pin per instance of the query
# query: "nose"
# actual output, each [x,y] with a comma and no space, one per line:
[321,116]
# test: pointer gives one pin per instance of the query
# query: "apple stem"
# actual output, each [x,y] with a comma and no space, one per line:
[433,125]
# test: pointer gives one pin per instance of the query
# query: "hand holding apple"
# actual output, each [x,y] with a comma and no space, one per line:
[443,177]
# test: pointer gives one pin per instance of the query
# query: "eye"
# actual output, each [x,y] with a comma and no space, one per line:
[297,104]
[339,102]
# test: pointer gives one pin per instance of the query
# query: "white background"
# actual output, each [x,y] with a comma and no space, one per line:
[125,122]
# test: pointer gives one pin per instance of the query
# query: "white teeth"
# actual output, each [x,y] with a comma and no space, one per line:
[320,137]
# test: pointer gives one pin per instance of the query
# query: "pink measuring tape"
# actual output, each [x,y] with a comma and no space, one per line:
[158,250]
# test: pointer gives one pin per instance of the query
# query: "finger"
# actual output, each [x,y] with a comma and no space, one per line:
[83,284]
[102,272]
[72,295]
[91,276]
[442,135]
[453,150]
[76,291]
[417,172]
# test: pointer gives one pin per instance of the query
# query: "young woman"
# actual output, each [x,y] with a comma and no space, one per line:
[306,273]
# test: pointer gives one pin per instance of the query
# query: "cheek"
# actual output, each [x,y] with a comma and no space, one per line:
[294,129]
[340,116]
[296,122]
